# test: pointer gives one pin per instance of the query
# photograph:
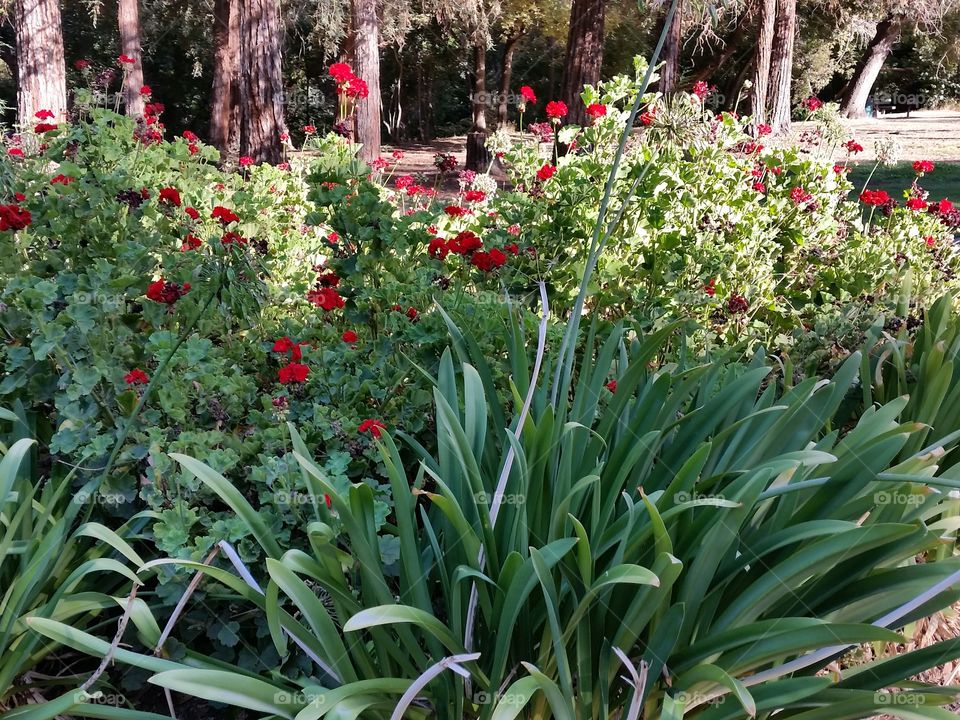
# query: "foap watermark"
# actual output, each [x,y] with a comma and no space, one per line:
[896,698]
[99,498]
[485,498]
[692,496]
[884,497]
[101,698]
[695,699]
[482,697]
[300,699]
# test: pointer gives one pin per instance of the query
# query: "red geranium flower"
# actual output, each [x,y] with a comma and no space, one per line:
[474,196]
[125,60]
[14,217]
[329,279]
[349,336]
[224,215]
[326,298]
[813,103]
[556,110]
[526,92]
[944,207]
[341,72]
[611,386]
[412,313]
[191,242]
[596,110]
[166,292]
[763,129]
[930,240]
[170,196]
[709,288]
[456,211]
[800,196]
[923,166]
[245,161]
[146,90]
[916,203]
[513,229]
[136,377]
[647,117]
[512,248]
[546,172]
[875,197]
[438,248]
[333,238]
[62,179]
[853,146]
[464,243]
[81,64]
[701,89]
[293,373]
[44,115]
[374,427]
[15,152]
[309,129]
[231,237]
[192,212]
[190,136]
[41,128]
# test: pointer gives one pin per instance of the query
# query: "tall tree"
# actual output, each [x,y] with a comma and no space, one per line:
[781,66]
[41,73]
[584,55]
[128,17]
[477,155]
[670,71]
[366,60]
[506,73]
[761,70]
[261,81]
[224,100]
[854,103]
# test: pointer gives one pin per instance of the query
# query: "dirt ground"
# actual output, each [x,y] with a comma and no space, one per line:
[929,134]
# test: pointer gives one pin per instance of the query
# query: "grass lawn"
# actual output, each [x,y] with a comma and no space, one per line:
[943,182]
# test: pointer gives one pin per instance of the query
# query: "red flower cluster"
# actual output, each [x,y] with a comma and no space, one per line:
[125,60]
[556,110]
[326,298]
[170,196]
[166,292]
[349,336]
[293,373]
[191,242]
[800,196]
[245,161]
[464,243]
[875,197]
[488,261]
[737,304]
[763,129]
[456,210]
[596,111]
[42,127]
[546,172]
[701,89]
[374,427]
[921,167]
[813,103]
[286,345]
[224,215]
[445,162]
[62,179]
[136,377]
[192,212]
[474,196]
[81,64]
[347,83]
[229,238]
[611,386]
[709,287]
[916,203]
[853,146]
[526,92]
[14,217]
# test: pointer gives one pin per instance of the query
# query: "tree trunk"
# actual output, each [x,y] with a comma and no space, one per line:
[261,81]
[761,70]
[366,60]
[506,76]
[584,55]
[670,71]
[781,67]
[477,156]
[128,16]
[868,68]
[224,99]
[41,73]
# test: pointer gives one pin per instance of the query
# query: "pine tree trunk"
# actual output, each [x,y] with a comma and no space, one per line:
[366,60]
[506,76]
[128,16]
[584,55]
[868,68]
[41,73]
[781,67]
[261,81]
[224,99]
[477,156]
[761,71]
[670,71]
